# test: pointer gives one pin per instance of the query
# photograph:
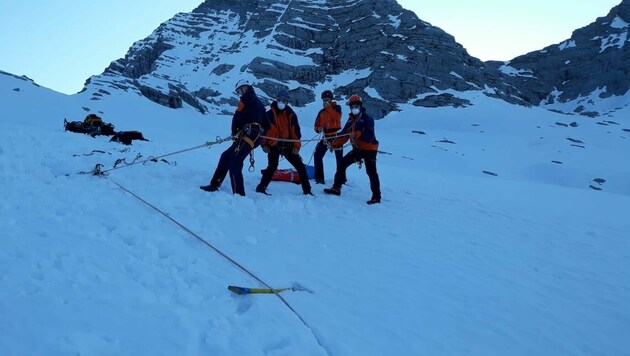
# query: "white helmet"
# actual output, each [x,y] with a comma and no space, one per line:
[242,82]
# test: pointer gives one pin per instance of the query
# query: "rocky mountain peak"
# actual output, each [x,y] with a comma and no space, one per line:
[374,48]
[573,76]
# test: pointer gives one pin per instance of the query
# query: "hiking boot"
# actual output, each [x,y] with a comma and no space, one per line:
[262,190]
[320,181]
[374,200]
[308,193]
[333,191]
[210,188]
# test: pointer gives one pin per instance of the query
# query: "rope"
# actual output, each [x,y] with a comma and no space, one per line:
[317,137]
[231,260]
[293,140]
[97,170]
[91,153]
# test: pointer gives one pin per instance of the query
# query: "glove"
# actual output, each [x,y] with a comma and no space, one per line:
[296,151]
[320,129]
[265,148]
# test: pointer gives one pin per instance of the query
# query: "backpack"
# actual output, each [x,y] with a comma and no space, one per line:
[92,130]
[76,126]
[126,137]
[107,129]
[93,120]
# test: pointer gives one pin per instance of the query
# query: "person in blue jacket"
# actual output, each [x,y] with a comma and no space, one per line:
[359,129]
[248,125]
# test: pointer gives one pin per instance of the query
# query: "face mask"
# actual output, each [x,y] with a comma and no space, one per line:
[281,105]
[355,111]
[326,103]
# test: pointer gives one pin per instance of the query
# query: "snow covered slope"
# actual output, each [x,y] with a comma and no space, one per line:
[524,259]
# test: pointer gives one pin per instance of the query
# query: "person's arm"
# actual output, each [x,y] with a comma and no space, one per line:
[340,141]
[318,122]
[335,117]
[297,133]
[272,132]
[237,119]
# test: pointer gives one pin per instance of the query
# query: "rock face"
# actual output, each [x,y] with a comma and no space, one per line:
[373,48]
[593,64]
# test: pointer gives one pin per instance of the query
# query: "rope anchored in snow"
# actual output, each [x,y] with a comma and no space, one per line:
[97,171]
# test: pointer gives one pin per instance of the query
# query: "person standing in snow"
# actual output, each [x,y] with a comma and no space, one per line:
[359,129]
[283,126]
[247,130]
[328,121]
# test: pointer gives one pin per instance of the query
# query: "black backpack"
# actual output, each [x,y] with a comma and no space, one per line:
[92,130]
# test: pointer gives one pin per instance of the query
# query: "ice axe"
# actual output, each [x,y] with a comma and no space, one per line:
[244,290]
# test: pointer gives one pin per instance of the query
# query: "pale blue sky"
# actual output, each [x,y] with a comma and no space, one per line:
[60,43]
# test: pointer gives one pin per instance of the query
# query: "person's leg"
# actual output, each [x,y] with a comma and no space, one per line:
[369,158]
[222,168]
[296,161]
[236,168]
[318,157]
[272,158]
[338,158]
[346,162]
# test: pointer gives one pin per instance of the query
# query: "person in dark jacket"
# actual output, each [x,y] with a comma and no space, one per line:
[285,128]
[328,121]
[359,129]
[247,128]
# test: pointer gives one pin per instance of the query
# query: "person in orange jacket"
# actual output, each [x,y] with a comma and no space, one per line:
[284,125]
[328,121]
[360,131]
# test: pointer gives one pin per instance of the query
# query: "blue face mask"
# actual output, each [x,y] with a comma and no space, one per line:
[281,105]
[355,110]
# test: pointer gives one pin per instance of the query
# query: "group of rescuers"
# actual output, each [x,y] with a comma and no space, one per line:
[277,131]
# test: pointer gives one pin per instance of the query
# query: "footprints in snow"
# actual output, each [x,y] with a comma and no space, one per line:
[599,182]
[596,183]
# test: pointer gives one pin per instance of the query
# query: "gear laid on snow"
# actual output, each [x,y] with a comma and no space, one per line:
[92,125]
